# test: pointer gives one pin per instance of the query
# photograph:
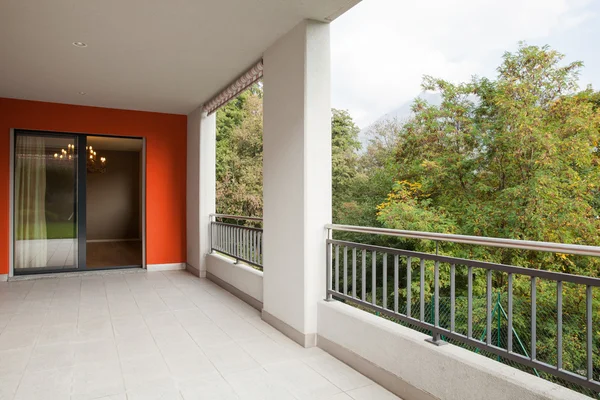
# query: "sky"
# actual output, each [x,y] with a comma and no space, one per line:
[382,48]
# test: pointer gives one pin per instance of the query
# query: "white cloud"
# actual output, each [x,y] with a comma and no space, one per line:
[382,48]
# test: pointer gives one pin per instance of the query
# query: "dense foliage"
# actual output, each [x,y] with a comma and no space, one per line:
[515,157]
[239,155]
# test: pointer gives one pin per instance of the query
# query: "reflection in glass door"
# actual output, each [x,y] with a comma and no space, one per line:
[45,203]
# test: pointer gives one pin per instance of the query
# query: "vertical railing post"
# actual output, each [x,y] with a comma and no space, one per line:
[509,344]
[470,303]
[422,290]
[408,286]
[533,319]
[499,320]
[435,307]
[239,247]
[329,266]
[374,277]
[452,297]
[589,332]
[211,232]
[488,325]
[559,325]
[337,268]
[396,287]
[384,305]
[345,270]
[354,272]
[363,285]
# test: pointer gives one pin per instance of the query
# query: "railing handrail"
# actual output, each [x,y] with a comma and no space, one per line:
[247,228]
[476,240]
[228,216]
[509,269]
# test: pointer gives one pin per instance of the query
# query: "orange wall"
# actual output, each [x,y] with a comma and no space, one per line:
[165,164]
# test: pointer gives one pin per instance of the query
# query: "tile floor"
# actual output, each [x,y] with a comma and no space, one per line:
[51,253]
[159,335]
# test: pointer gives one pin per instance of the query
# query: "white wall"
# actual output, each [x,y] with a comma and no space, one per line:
[296,173]
[200,186]
[446,372]
[242,277]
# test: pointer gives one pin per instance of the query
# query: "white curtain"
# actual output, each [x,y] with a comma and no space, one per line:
[31,245]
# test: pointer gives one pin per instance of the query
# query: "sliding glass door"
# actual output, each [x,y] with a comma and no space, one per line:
[77,202]
[46,206]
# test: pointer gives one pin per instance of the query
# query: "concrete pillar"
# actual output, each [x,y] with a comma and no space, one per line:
[297,178]
[200,187]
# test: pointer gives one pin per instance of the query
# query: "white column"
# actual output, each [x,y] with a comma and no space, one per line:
[297,178]
[200,187]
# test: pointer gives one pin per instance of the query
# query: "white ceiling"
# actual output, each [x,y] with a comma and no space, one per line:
[152,55]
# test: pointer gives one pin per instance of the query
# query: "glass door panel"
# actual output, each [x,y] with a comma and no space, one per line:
[113,202]
[45,203]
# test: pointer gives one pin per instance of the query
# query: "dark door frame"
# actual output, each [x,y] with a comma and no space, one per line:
[80,198]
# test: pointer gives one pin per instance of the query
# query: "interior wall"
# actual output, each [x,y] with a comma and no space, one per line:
[113,198]
[165,166]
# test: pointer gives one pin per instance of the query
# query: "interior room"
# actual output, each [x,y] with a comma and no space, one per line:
[114,202]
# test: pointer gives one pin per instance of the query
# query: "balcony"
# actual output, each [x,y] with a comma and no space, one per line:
[290,307]
[155,335]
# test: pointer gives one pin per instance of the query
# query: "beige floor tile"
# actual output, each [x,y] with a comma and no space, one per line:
[9,385]
[52,356]
[96,351]
[265,350]
[207,389]
[138,372]
[159,389]
[339,396]
[14,361]
[190,366]
[52,384]
[302,381]
[11,339]
[136,346]
[337,372]
[371,392]
[258,384]
[129,325]
[92,381]
[229,358]
[57,333]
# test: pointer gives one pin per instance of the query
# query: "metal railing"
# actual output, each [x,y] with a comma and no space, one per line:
[244,243]
[396,289]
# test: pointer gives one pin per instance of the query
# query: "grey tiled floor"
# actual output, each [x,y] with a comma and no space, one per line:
[151,336]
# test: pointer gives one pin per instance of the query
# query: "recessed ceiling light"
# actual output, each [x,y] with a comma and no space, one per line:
[79,44]
[82,93]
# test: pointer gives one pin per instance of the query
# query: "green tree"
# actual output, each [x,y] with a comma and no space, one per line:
[239,155]
[514,157]
[344,157]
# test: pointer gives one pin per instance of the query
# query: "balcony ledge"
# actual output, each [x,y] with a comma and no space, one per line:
[401,360]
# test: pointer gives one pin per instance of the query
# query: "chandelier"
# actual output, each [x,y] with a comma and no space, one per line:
[93,165]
